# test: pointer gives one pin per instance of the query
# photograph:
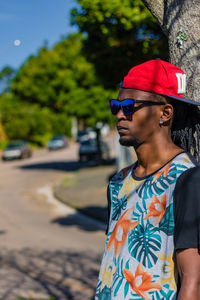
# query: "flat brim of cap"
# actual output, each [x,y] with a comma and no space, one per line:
[188,101]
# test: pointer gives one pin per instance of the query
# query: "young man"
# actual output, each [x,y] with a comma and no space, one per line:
[153,243]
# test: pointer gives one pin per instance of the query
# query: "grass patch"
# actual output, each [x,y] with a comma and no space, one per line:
[70,180]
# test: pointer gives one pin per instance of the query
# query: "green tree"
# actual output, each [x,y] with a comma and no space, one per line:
[6,75]
[119,35]
[62,80]
[49,77]
[30,122]
[92,105]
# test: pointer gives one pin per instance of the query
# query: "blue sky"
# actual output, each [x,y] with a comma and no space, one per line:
[32,22]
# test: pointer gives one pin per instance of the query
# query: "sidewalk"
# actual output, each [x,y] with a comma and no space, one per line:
[86,190]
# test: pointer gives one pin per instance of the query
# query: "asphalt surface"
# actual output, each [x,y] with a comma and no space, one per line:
[47,250]
[86,189]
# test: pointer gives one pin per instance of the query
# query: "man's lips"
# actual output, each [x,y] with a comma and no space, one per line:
[121,129]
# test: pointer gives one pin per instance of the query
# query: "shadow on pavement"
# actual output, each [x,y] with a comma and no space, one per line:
[69,166]
[85,222]
[60,274]
[100,213]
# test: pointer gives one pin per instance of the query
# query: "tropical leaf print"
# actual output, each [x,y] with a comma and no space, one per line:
[119,277]
[119,205]
[143,243]
[106,274]
[126,288]
[156,185]
[157,209]
[115,188]
[122,174]
[164,293]
[138,213]
[107,240]
[141,282]
[98,286]
[168,275]
[157,295]
[167,223]
[136,297]
[105,294]
[120,231]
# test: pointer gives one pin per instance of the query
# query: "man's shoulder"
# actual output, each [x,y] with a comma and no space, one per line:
[122,174]
[191,176]
[184,161]
[180,166]
[188,181]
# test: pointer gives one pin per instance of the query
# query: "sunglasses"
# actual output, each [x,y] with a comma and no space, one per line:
[127,105]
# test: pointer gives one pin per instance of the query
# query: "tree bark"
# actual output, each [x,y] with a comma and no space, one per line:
[180,21]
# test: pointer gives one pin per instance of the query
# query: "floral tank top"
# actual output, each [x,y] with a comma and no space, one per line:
[138,261]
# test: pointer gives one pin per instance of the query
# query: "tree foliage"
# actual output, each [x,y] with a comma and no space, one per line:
[48,77]
[119,35]
[64,81]
[6,75]
[79,74]
[30,122]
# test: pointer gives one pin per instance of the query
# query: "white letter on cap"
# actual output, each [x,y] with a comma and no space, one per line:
[181,82]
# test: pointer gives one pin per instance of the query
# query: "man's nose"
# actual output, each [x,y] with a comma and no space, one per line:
[120,114]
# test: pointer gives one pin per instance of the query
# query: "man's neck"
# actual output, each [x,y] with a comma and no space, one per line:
[153,156]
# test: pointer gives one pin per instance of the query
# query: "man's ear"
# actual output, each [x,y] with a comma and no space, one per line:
[167,114]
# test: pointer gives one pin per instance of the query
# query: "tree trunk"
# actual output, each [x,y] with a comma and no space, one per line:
[180,21]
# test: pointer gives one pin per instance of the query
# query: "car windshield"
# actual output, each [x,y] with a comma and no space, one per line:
[82,132]
[14,146]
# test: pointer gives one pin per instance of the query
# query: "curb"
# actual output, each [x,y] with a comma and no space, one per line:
[66,210]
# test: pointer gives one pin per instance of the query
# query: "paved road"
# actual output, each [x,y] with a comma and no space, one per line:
[40,254]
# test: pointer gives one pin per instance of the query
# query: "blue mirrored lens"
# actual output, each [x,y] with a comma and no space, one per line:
[127,106]
[114,106]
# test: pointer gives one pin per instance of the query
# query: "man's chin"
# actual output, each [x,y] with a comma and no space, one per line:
[126,142]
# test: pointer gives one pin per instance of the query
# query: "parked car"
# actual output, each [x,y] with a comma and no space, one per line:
[19,149]
[86,134]
[80,134]
[58,141]
[88,150]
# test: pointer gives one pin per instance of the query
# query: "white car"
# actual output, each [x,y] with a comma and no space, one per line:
[16,150]
[57,142]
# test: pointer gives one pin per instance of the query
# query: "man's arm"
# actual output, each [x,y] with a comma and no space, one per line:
[188,262]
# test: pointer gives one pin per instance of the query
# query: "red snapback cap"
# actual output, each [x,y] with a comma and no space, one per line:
[160,77]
